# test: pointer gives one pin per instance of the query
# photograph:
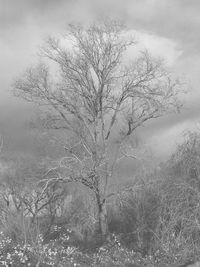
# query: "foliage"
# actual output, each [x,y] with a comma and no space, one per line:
[56,254]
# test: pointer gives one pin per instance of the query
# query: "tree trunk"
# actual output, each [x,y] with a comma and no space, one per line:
[102,217]
[103,220]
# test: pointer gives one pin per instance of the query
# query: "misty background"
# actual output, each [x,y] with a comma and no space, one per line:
[168,29]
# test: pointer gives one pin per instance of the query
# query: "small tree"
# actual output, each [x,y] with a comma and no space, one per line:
[100,98]
[186,158]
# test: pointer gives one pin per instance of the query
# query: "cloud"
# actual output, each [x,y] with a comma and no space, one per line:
[178,20]
[158,46]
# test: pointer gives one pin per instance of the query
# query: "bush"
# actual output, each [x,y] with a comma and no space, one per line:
[56,254]
[135,217]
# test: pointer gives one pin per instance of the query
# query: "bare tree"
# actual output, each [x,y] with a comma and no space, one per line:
[100,98]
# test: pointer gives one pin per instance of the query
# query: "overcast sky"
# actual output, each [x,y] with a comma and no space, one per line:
[168,28]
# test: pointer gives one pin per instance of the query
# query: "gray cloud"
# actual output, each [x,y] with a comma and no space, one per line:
[178,20]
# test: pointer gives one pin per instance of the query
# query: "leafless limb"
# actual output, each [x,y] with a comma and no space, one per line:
[99,96]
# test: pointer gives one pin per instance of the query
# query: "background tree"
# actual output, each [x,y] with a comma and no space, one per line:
[100,98]
[185,160]
[24,196]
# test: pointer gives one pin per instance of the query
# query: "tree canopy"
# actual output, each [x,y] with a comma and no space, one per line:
[98,92]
